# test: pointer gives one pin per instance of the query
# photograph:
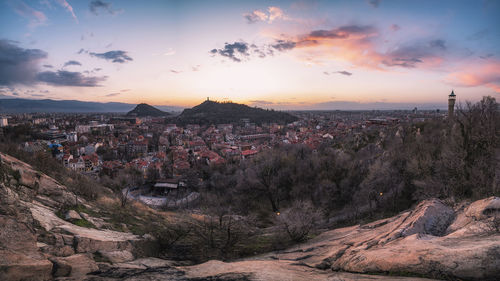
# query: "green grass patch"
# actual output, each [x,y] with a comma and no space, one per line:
[83,223]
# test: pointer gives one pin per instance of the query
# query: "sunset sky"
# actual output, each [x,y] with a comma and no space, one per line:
[275,54]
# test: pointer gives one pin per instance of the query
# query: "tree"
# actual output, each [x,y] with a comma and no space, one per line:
[299,220]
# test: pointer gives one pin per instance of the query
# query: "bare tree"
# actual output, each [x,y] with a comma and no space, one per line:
[299,220]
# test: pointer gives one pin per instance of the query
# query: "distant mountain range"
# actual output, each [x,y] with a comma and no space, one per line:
[142,110]
[210,112]
[70,106]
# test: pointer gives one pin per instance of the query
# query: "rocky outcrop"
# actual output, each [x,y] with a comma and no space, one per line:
[36,244]
[432,240]
[35,185]
[75,266]
[20,258]
[156,269]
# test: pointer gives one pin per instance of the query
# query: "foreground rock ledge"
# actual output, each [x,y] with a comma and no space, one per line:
[432,240]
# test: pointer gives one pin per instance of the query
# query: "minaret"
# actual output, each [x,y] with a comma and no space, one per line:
[451,104]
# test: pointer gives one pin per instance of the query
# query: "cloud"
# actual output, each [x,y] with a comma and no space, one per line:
[342,32]
[35,17]
[357,44]
[374,3]
[239,51]
[169,52]
[260,103]
[175,71]
[18,65]
[487,56]
[96,6]
[410,55]
[68,7]
[479,34]
[72,62]
[255,16]
[196,68]
[68,78]
[395,27]
[235,51]
[343,72]
[124,90]
[352,43]
[113,94]
[273,13]
[81,51]
[477,74]
[48,66]
[282,45]
[114,56]
[91,34]
[438,43]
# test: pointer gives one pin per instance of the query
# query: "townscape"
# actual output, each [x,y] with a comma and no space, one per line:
[284,140]
[102,145]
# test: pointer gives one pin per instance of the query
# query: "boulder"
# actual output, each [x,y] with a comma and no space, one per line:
[91,244]
[484,209]
[75,266]
[61,267]
[481,217]
[429,217]
[117,256]
[20,258]
[72,215]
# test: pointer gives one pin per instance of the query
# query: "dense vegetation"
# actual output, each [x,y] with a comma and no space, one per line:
[210,112]
[378,170]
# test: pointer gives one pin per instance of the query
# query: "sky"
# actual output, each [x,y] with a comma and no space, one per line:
[273,54]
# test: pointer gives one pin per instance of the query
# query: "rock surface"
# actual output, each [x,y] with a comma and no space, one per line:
[31,232]
[117,256]
[19,255]
[75,266]
[432,240]
[72,215]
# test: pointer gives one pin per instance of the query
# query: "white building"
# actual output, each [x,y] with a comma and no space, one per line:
[72,137]
[4,122]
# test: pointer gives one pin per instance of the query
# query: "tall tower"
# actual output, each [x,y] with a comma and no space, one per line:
[451,104]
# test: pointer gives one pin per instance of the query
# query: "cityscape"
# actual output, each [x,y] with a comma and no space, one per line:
[103,144]
[249,140]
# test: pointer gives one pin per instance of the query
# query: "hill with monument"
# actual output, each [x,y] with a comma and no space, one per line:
[213,112]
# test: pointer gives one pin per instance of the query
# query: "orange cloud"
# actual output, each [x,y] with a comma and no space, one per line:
[479,75]
[356,44]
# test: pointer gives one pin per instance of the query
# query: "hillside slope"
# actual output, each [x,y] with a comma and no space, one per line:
[143,109]
[210,112]
[38,241]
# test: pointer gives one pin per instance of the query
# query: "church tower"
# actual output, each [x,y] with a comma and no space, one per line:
[451,104]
